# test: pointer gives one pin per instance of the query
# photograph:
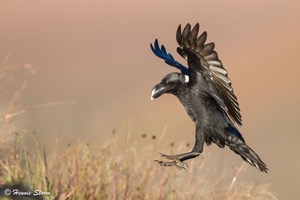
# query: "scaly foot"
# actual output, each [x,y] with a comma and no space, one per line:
[176,162]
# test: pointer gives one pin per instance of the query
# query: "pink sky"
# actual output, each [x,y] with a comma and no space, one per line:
[97,54]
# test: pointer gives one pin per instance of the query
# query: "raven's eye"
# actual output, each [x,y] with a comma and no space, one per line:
[166,81]
[169,81]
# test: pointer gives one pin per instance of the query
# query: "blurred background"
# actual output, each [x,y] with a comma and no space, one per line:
[82,69]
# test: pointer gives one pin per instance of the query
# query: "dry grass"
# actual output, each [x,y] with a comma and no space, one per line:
[119,169]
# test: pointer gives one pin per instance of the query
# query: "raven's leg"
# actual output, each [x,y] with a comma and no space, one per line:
[178,160]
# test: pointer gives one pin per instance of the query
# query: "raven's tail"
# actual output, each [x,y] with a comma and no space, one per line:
[242,149]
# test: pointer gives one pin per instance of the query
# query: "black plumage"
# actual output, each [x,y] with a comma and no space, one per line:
[205,91]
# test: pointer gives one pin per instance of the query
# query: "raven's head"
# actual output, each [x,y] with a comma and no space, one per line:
[172,83]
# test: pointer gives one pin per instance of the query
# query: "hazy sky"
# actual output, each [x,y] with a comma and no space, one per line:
[97,54]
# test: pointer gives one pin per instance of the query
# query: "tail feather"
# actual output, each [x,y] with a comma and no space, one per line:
[247,154]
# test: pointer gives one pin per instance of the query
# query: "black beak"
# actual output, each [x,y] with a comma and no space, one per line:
[157,91]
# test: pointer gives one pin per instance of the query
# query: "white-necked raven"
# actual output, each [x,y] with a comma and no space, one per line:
[205,91]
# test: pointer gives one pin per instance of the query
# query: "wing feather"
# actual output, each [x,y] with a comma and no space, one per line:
[188,40]
[162,53]
[200,41]
[185,34]
[208,48]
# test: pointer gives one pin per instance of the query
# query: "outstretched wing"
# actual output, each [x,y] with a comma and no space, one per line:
[188,40]
[161,52]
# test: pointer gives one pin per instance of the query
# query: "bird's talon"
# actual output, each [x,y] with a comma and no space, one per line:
[177,163]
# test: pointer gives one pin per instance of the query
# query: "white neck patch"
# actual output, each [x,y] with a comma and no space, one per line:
[186,78]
